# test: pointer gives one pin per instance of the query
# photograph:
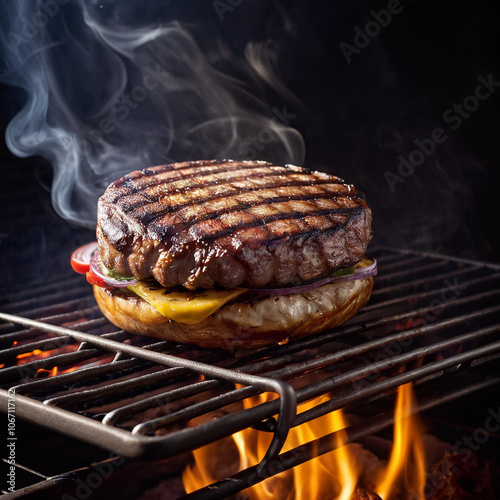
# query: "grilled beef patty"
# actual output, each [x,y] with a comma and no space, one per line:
[231,223]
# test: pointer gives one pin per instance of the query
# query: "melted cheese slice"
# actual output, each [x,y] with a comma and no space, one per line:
[185,306]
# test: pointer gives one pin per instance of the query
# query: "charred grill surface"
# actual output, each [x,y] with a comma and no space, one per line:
[209,223]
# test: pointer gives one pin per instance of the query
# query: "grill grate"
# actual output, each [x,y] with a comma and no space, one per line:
[429,316]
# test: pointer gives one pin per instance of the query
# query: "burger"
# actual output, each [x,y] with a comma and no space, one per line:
[229,254]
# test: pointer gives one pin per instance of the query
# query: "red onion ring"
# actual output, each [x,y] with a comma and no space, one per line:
[359,273]
[95,267]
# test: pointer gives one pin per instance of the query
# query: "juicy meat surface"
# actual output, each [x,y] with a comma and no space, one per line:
[231,223]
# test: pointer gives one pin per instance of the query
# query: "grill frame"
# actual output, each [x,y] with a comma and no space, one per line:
[120,441]
[140,445]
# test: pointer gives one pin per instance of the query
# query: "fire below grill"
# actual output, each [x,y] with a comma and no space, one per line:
[430,319]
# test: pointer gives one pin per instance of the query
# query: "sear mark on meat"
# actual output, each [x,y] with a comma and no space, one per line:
[230,224]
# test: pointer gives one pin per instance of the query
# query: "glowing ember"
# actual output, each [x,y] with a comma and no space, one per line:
[334,475]
[47,373]
[68,370]
[55,371]
[410,323]
[27,357]
[37,354]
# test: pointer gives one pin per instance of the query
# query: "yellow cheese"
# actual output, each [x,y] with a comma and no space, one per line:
[185,306]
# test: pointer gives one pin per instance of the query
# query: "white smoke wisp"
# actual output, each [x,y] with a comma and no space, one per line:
[105,96]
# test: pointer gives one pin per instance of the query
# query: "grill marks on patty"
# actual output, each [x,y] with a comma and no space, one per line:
[159,177]
[252,206]
[183,222]
[162,194]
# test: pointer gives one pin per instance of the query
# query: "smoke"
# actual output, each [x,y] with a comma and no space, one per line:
[112,86]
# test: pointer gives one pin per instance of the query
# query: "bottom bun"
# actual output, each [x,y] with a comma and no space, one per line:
[247,324]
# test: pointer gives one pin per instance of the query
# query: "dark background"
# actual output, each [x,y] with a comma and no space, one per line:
[356,119]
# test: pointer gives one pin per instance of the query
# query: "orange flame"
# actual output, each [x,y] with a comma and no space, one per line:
[294,484]
[334,475]
[407,457]
[346,462]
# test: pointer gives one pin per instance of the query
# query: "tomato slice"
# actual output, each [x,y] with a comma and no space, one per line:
[93,279]
[80,258]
